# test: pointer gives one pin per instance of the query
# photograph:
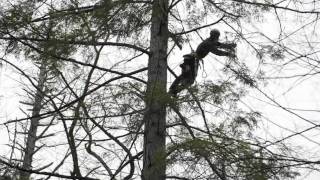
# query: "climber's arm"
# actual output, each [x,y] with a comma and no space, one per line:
[229,46]
[221,53]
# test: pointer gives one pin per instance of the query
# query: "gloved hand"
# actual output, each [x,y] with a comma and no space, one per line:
[232,55]
[233,45]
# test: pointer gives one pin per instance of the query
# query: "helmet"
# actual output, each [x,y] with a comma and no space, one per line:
[214,33]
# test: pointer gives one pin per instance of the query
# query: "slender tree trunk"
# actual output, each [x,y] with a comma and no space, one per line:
[154,166]
[32,132]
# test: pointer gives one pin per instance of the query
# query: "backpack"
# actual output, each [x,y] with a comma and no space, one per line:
[190,64]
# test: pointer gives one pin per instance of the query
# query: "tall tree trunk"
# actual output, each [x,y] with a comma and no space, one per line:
[154,166]
[32,132]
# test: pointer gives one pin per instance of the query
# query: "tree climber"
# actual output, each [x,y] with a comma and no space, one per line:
[190,65]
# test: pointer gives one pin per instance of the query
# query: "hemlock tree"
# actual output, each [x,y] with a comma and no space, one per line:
[32,137]
[114,121]
[48,70]
[154,151]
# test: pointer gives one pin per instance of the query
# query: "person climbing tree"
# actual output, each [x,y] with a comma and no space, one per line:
[190,65]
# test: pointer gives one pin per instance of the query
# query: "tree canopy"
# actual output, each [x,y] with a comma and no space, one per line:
[92,81]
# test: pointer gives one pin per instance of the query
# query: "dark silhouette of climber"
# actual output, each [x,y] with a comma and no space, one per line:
[190,65]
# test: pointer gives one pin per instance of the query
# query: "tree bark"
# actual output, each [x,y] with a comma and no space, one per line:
[154,166]
[32,132]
